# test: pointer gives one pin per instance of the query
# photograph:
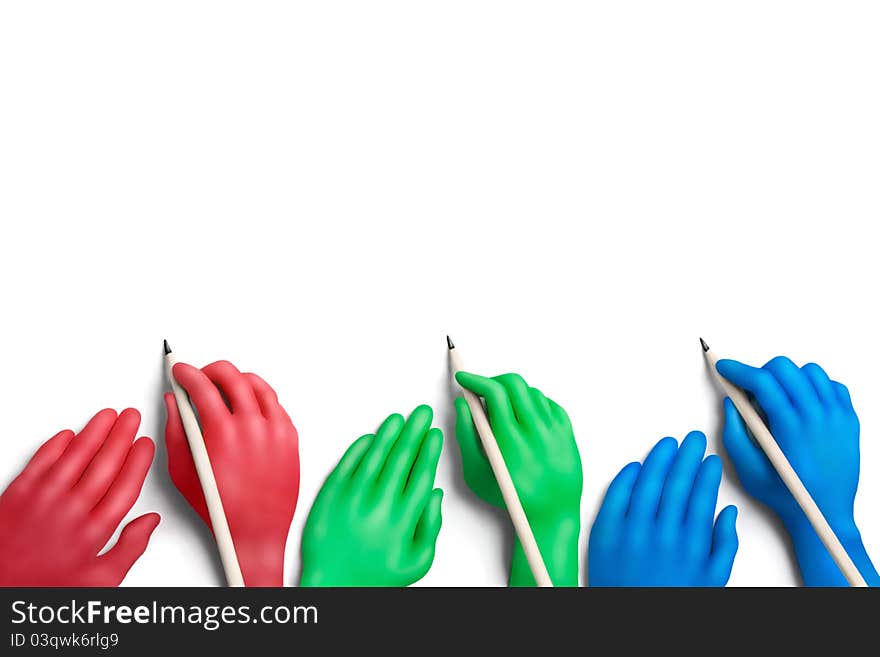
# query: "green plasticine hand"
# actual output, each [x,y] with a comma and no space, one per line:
[535,437]
[376,519]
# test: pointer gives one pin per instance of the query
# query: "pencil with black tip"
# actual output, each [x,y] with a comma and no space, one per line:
[199,451]
[502,475]
[786,472]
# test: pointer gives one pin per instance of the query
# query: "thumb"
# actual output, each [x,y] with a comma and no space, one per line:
[425,539]
[132,543]
[429,524]
[181,467]
[748,459]
[474,463]
[724,547]
[472,455]
[175,435]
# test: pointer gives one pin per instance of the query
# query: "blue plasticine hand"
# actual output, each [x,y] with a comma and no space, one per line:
[655,525]
[813,421]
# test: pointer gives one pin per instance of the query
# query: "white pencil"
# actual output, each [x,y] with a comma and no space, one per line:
[206,477]
[508,491]
[789,477]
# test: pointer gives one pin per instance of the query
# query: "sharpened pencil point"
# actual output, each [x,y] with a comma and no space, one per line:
[449,342]
[704,345]
[167,347]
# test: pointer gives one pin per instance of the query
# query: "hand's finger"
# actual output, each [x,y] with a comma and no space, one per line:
[704,497]
[541,403]
[267,399]
[763,385]
[680,482]
[616,501]
[821,384]
[126,488]
[795,382]
[374,460]
[559,413]
[645,497]
[498,405]
[46,456]
[747,457]
[724,546]
[425,542]
[524,408]
[132,543]
[842,393]
[175,434]
[203,394]
[421,479]
[405,449]
[234,386]
[352,458]
[69,467]
[181,466]
[104,467]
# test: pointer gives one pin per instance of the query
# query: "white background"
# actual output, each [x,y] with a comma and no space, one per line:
[320,192]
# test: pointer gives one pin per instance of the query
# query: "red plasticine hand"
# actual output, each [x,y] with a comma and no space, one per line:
[65,505]
[253,449]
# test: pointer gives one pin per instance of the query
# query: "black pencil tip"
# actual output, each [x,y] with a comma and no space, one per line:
[167,347]
[704,345]
[449,342]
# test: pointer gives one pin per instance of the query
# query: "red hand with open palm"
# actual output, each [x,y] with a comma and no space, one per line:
[59,513]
